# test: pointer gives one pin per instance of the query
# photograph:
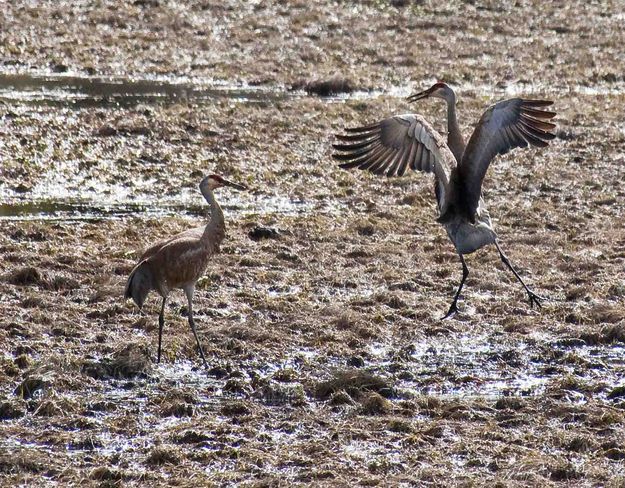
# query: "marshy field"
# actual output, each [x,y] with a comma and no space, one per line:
[320,318]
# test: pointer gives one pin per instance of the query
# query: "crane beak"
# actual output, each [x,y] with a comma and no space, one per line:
[236,186]
[418,96]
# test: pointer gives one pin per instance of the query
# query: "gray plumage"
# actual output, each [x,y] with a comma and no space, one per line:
[393,145]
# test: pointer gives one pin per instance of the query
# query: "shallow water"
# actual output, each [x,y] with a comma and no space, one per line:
[91,91]
[74,91]
[69,209]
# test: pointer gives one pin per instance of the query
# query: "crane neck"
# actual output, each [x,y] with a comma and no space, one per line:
[216,218]
[454,136]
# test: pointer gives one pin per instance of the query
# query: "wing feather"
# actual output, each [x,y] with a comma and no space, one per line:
[353,163]
[395,144]
[416,162]
[367,128]
[503,126]
[354,153]
[356,137]
[536,131]
[392,168]
[540,114]
[354,146]
[375,163]
[406,159]
[378,167]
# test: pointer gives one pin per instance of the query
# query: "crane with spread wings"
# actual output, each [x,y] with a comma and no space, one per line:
[394,145]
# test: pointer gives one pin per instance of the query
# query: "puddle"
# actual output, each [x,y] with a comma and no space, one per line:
[68,210]
[88,91]
[61,90]
[92,210]
[92,91]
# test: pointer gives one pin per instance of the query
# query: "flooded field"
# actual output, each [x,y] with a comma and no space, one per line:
[328,364]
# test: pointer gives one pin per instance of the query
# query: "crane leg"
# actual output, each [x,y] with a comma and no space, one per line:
[534,299]
[453,309]
[161,322]
[189,293]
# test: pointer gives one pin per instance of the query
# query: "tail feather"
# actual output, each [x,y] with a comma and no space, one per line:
[139,283]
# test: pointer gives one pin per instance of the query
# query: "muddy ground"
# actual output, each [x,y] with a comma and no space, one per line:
[328,362]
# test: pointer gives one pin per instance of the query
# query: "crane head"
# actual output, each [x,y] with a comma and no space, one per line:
[216,181]
[437,90]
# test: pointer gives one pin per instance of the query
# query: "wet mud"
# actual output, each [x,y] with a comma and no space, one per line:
[328,364]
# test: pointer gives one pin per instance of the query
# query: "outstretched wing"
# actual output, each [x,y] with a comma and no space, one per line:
[395,144]
[503,126]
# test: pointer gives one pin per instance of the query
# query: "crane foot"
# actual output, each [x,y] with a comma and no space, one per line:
[453,310]
[535,299]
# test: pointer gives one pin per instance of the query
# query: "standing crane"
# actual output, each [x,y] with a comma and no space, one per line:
[178,262]
[393,145]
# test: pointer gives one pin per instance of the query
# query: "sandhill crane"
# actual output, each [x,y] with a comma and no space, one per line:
[178,262]
[396,143]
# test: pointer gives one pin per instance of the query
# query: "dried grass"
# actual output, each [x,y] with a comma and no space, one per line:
[354,383]
[130,361]
[162,455]
[31,276]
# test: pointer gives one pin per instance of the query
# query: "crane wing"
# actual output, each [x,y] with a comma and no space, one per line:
[395,144]
[505,125]
[154,248]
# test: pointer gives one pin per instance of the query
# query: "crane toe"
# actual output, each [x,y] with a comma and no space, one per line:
[535,299]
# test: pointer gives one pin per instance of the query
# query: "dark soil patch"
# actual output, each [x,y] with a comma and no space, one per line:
[325,88]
